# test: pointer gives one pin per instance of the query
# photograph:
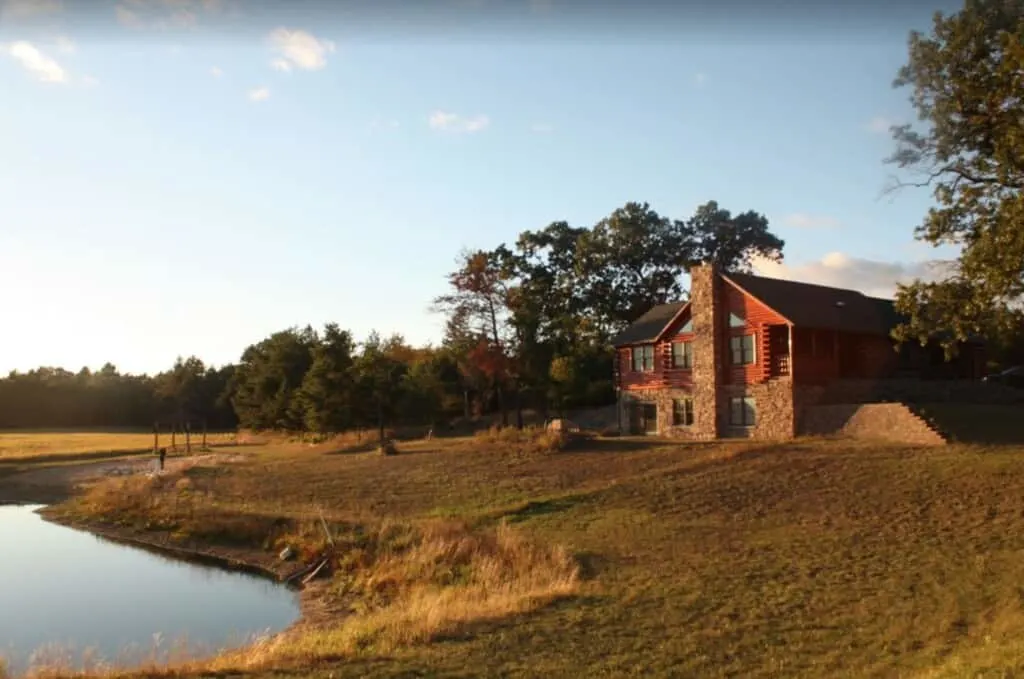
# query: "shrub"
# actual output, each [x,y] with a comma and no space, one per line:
[525,440]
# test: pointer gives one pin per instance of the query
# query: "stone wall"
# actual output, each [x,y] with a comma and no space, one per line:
[893,422]
[663,398]
[774,403]
[708,361]
[775,419]
[911,391]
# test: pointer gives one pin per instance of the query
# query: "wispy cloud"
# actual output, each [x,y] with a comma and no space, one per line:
[880,125]
[382,124]
[453,122]
[801,220]
[89,81]
[542,128]
[700,78]
[128,17]
[216,72]
[43,67]
[259,94]
[21,9]
[298,49]
[837,269]
[65,45]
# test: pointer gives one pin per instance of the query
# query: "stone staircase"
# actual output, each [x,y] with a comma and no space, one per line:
[894,422]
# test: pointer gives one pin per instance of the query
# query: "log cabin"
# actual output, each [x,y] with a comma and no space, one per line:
[747,356]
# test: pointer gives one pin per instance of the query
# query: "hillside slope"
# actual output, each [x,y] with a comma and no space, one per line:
[814,559]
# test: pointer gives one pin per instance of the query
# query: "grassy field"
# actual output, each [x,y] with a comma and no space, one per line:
[23,445]
[627,557]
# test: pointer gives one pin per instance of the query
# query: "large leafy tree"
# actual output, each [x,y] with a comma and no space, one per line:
[268,378]
[380,381]
[561,293]
[326,396]
[966,82]
[180,392]
[731,241]
[479,297]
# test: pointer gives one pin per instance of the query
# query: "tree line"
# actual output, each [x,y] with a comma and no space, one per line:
[528,323]
[527,326]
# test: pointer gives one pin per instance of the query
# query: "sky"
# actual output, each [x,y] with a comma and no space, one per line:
[185,177]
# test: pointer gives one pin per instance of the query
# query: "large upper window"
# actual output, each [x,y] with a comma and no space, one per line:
[742,411]
[742,349]
[736,321]
[687,328]
[682,355]
[643,358]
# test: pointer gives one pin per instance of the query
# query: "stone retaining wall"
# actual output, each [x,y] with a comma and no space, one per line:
[893,422]
[915,391]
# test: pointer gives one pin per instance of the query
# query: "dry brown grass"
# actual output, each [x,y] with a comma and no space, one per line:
[804,559]
[525,440]
[394,584]
[21,446]
[447,577]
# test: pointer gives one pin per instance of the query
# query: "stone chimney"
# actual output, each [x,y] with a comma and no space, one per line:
[708,359]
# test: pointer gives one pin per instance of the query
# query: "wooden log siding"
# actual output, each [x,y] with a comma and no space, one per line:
[757,317]
[663,376]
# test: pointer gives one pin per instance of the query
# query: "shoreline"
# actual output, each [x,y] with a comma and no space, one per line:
[239,559]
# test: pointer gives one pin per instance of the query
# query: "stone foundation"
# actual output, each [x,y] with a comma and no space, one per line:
[662,398]
[774,402]
[775,413]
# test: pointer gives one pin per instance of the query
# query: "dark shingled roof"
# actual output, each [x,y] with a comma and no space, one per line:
[804,305]
[649,326]
[819,306]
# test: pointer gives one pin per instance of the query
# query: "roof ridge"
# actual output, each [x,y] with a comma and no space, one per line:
[810,285]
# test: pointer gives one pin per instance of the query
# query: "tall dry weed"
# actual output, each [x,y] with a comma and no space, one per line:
[449,578]
[525,440]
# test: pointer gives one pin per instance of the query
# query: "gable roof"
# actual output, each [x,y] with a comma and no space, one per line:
[649,327]
[819,306]
[804,305]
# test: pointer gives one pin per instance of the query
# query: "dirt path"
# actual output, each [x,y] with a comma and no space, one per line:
[49,484]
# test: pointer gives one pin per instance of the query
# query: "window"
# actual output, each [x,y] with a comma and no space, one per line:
[682,355]
[687,328]
[742,350]
[643,358]
[742,411]
[682,412]
[736,321]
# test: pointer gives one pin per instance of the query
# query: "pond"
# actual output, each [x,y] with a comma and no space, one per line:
[68,590]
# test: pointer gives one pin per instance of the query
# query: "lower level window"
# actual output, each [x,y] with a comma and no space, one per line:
[682,412]
[742,411]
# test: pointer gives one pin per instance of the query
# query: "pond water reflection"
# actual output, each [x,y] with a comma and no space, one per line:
[69,589]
